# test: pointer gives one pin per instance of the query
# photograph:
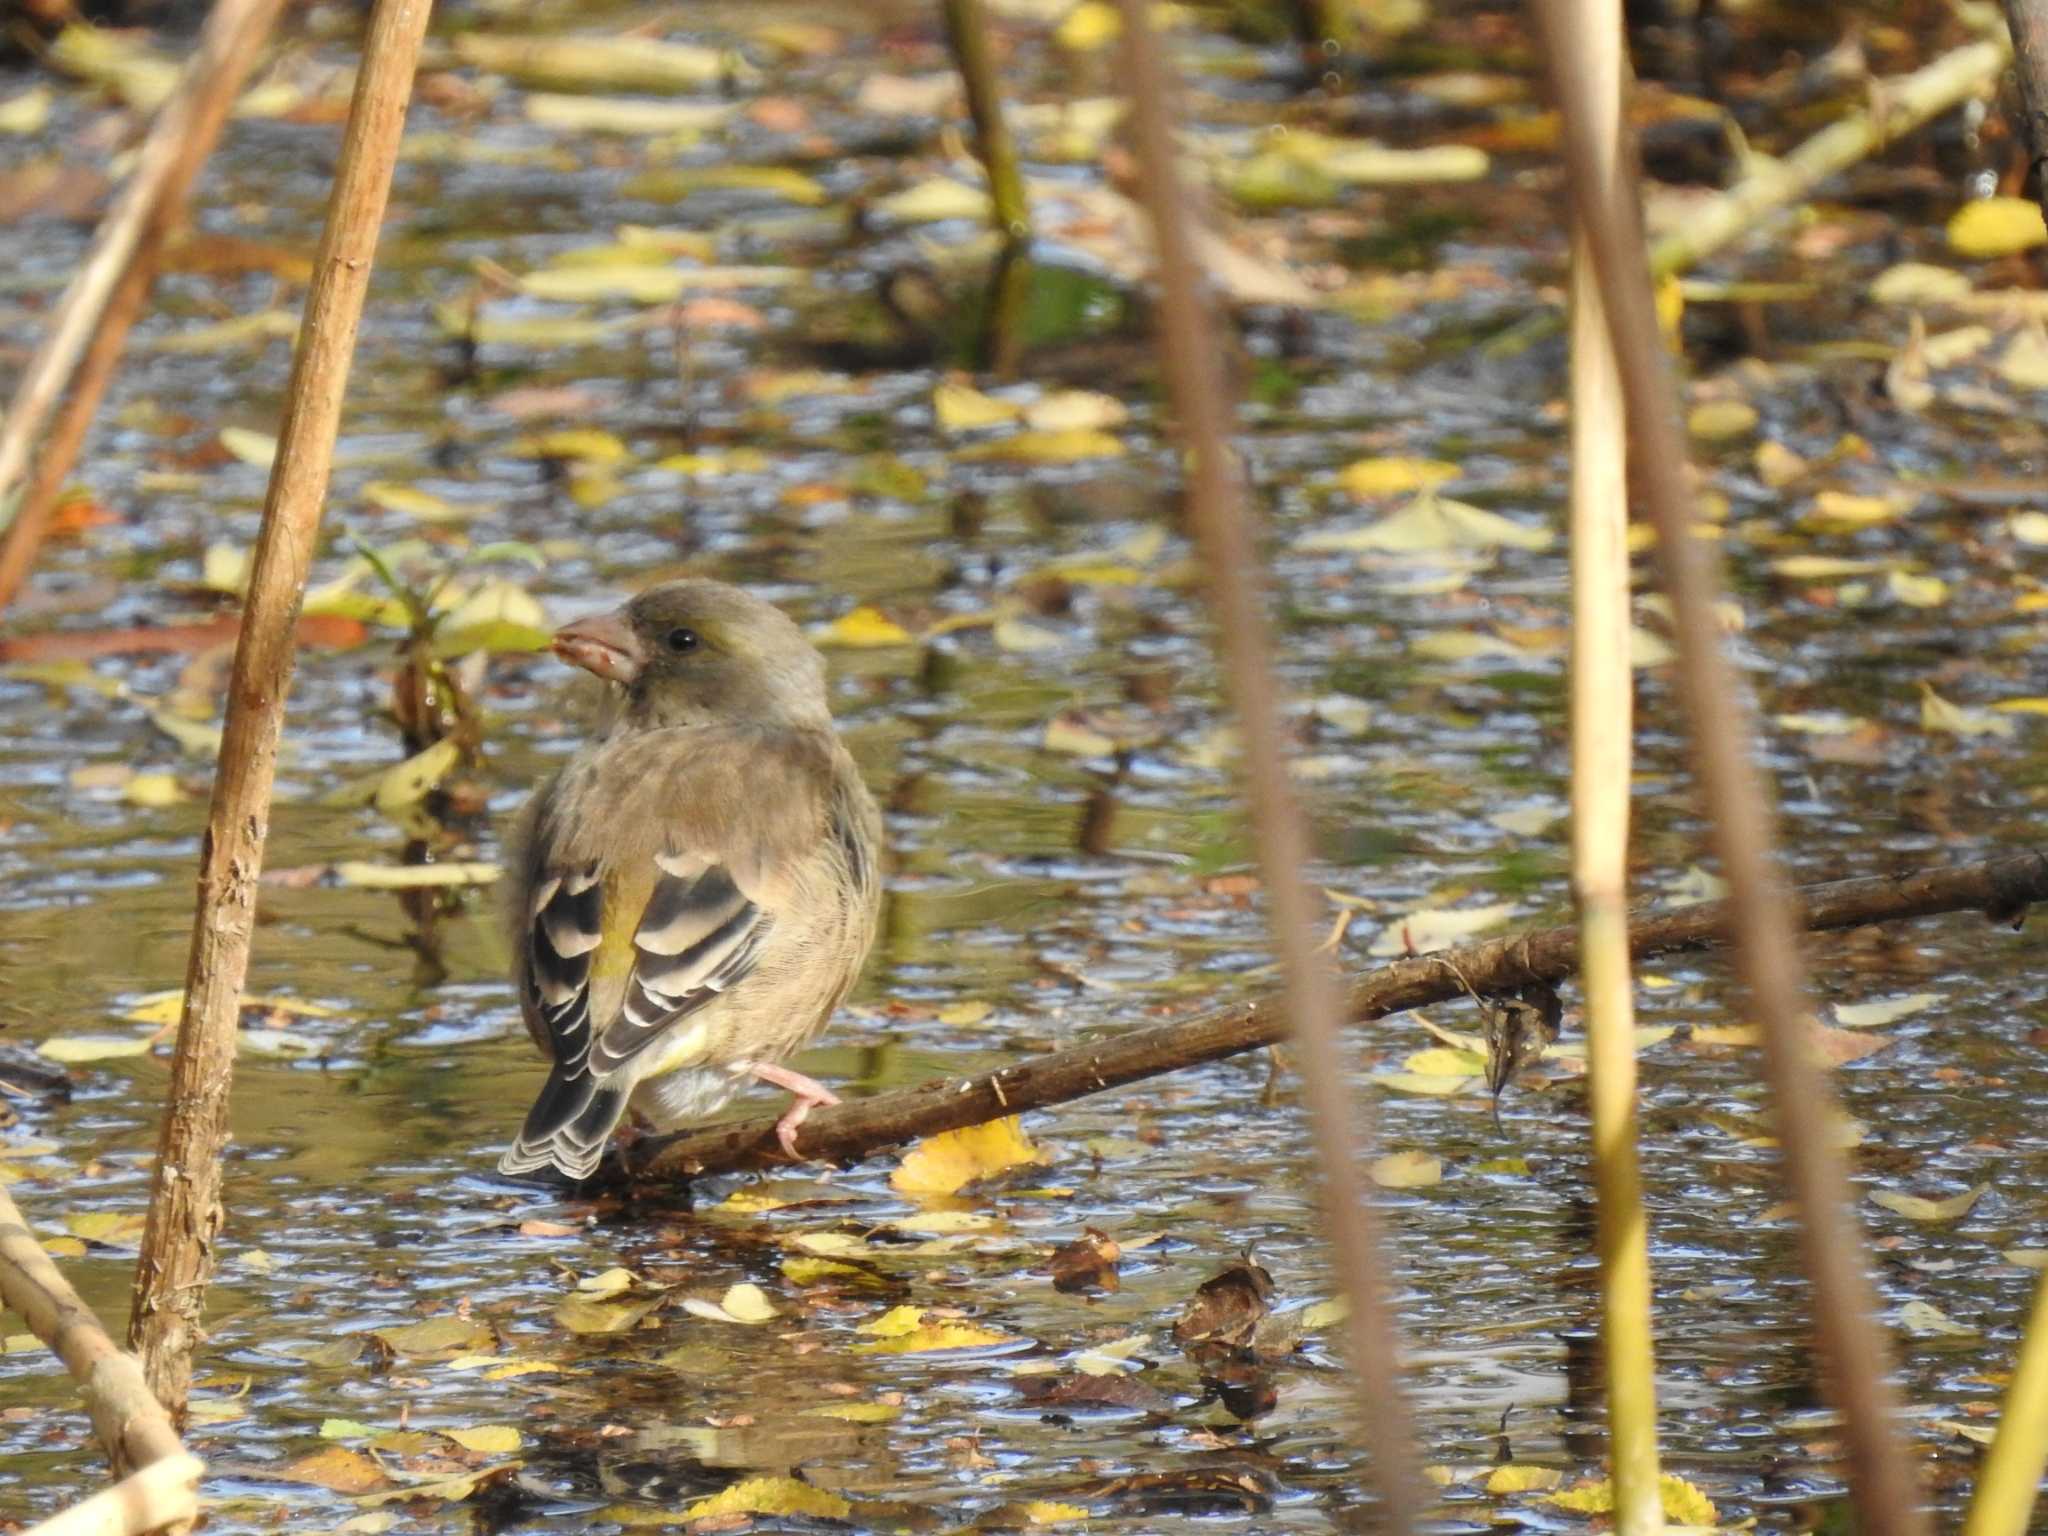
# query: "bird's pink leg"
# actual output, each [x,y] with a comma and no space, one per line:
[807,1094]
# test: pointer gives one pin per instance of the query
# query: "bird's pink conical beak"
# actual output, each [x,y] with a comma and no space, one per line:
[605,644]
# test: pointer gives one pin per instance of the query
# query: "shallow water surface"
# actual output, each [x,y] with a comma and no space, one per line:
[1037,894]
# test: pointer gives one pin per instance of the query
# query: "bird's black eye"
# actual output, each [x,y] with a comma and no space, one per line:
[682,640]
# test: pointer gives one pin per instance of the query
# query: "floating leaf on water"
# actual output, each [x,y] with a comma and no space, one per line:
[1075,410]
[1368,478]
[1446,1061]
[582,1315]
[1926,1319]
[74,1050]
[1847,510]
[1516,1478]
[439,1337]
[257,448]
[1683,1503]
[408,783]
[345,1429]
[2026,1258]
[26,111]
[951,1160]
[488,329]
[674,183]
[933,201]
[1921,1208]
[1920,283]
[487,1439]
[1409,1170]
[1695,886]
[1824,567]
[783,1496]
[856,1413]
[581,445]
[931,1338]
[1433,523]
[599,63]
[864,628]
[1996,226]
[1066,446]
[1889,1011]
[740,1304]
[2029,528]
[335,1468]
[1418,933]
[959,407]
[624,114]
[1939,715]
[116,1229]
[1430,1085]
[1720,421]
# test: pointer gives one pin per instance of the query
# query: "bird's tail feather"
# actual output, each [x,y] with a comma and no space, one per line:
[569,1124]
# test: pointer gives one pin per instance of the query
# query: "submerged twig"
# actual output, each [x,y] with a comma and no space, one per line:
[1853,1347]
[184,1209]
[845,1133]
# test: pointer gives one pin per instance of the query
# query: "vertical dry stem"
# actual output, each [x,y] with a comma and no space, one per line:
[184,1211]
[179,141]
[967,35]
[2009,1486]
[1601,721]
[1191,354]
[2027,20]
[1853,1347]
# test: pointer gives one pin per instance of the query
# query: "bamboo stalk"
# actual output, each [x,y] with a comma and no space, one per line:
[967,36]
[179,141]
[2010,1484]
[1897,107]
[131,1425]
[184,1210]
[1602,706]
[1882,1470]
[1191,359]
[163,1496]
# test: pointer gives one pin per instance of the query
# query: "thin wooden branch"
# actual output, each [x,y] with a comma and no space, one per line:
[1882,1470]
[179,141]
[131,1424]
[967,35]
[1192,360]
[845,1133]
[163,1496]
[1896,107]
[1602,719]
[2027,20]
[2009,1487]
[184,1209]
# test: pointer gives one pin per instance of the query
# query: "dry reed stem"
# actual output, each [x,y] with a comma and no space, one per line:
[967,36]
[179,141]
[1602,710]
[2010,1484]
[161,1497]
[1856,1354]
[131,1424]
[185,1210]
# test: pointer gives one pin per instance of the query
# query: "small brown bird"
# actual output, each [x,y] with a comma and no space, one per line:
[697,888]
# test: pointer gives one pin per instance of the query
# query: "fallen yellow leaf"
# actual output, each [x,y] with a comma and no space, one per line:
[942,1164]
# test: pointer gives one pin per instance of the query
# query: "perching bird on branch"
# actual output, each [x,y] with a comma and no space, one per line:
[696,889]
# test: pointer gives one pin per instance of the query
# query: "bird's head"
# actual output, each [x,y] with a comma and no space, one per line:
[698,652]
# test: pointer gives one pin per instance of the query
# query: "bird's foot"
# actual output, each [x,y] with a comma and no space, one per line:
[806,1094]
